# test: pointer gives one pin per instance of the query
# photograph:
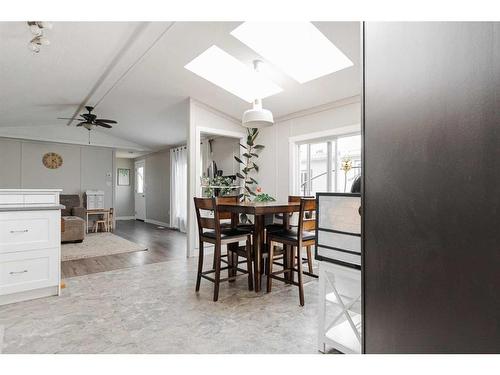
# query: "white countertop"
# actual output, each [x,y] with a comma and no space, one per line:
[30,190]
[30,207]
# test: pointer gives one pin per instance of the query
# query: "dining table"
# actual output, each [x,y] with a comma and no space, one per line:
[259,210]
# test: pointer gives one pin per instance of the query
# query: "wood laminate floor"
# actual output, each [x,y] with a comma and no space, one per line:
[163,244]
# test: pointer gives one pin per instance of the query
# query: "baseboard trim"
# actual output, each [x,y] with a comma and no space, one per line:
[125,218]
[29,295]
[156,222]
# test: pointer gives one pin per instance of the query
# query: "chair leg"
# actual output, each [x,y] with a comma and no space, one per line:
[291,259]
[235,264]
[248,249]
[301,284]
[200,266]
[217,271]
[230,262]
[270,257]
[309,259]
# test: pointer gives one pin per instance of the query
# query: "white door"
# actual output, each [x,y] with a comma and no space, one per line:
[140,190]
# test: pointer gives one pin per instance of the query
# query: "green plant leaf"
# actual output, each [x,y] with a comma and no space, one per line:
[245,147]
[254,154]
[239,175]
[256,167]
[259,147]
[245,170]
[252,193]
[253,180]
[238,160]
[247,155]
[249,182]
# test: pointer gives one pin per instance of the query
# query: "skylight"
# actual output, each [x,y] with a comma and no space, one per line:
[222,69]
[297,48]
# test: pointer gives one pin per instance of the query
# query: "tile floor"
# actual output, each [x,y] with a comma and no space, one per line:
[153,308]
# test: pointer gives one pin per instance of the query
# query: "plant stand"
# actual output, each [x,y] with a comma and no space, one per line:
[339,308]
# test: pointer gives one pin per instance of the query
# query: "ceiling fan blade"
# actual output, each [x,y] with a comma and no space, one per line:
[105,120]
[103,125]
[81,123]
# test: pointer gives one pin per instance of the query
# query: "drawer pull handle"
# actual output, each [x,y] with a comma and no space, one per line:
[19,231]
[17,272]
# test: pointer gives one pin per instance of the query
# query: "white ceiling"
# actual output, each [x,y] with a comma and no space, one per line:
[135,74]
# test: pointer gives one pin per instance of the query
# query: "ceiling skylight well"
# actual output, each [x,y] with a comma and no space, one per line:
[222,69]
[298,48]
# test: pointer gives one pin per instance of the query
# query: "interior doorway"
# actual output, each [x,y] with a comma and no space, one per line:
[140,190]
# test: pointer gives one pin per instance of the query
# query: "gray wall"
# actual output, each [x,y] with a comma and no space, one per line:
[84,167]
[158,186]
[124,204]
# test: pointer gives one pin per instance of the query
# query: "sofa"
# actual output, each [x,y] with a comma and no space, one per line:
[73,218]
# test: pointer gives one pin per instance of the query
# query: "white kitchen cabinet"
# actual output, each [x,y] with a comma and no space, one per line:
[30,244]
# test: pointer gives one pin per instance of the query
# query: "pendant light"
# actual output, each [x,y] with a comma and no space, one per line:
[257,117]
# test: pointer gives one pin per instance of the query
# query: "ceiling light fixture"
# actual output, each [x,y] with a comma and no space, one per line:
[257,117]
[224,70]
[298,48]
[37,29]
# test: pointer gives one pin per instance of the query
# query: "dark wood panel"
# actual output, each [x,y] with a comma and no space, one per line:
[431,188]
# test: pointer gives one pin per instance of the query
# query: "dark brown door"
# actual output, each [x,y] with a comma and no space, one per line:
[432,187]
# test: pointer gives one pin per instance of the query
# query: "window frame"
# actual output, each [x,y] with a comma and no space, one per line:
[332,161]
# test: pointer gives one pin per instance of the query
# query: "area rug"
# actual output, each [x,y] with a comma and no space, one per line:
[98,244]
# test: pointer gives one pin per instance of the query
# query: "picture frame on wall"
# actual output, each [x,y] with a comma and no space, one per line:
[123,177]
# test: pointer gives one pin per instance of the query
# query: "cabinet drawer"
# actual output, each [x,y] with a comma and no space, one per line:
[11,199]
[29,230]
[29,270]
[40,199]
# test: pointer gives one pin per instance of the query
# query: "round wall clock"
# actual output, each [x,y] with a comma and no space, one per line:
[52,160]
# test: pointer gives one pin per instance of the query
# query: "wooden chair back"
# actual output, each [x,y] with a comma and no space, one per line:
[212,223]
[307,205]
[296,199]
[222,200]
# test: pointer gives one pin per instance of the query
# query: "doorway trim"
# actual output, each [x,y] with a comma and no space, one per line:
[194,167]
[143,162]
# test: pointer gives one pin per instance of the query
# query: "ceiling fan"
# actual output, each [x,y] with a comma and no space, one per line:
[90,120]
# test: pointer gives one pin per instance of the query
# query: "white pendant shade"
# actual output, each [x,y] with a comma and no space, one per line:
[257,117]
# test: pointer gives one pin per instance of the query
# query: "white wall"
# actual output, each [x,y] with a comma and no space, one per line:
[84,167]
[203,119]
[125,205]
[275,160]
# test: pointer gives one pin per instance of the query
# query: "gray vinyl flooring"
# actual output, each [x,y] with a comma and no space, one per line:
[152,308]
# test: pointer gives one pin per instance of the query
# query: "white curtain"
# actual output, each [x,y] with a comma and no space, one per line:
[178,188]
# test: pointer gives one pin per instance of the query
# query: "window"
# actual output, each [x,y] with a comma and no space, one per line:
[140,179]
[329,166]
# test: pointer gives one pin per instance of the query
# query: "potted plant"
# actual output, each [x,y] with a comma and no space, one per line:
[249,164]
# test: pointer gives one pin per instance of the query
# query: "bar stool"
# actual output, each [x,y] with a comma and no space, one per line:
[276,227]
[233,220]
[102,223]
[210,230]
[303,236]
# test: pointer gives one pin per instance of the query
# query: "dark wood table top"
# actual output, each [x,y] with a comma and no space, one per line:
[260,208]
